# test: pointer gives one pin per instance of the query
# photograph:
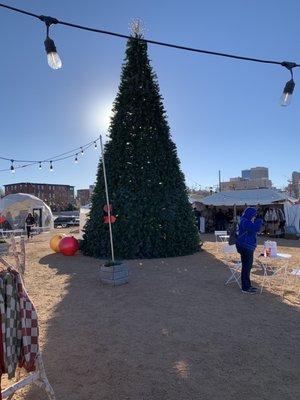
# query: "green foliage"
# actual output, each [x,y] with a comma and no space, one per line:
[146,187]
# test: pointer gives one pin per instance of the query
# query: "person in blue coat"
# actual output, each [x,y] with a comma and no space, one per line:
[250,224]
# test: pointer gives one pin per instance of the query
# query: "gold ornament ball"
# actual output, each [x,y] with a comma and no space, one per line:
[54,243]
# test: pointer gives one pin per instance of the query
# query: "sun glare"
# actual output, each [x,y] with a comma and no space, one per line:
[100,115]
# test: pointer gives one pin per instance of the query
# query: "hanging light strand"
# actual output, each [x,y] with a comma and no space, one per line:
[55,62]
[52,20]
[51,160]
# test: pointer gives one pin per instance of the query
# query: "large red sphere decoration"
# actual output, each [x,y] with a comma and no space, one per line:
[68,246]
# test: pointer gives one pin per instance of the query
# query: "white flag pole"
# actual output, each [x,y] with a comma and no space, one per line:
[107,203]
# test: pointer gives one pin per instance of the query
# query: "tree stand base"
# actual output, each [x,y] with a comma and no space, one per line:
[115,275]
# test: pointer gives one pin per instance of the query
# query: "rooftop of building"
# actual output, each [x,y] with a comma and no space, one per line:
[37,183]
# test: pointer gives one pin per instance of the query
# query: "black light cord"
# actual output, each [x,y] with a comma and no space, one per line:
[49,160]
[59,157]
[287,64]
[85,146]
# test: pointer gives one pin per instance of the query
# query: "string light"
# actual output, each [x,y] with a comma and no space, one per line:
[288,90]
[55,62]
[12,168]
[63,156]
[287,93]
[76,159]
[82,152]
[95,145]
[53,58]
[51,166]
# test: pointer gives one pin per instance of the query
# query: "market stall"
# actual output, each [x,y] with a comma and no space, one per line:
[231,205]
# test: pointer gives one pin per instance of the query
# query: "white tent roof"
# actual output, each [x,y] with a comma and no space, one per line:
[250,197]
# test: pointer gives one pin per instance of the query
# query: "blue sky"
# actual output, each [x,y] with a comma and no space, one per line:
[223,114]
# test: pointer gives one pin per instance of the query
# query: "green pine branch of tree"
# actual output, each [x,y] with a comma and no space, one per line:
[146,186]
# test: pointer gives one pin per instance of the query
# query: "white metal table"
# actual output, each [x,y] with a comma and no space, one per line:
[275,271]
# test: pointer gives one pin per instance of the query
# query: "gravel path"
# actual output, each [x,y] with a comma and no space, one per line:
[175,332]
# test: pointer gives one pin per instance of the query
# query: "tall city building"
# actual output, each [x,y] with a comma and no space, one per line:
[246,174]
[259,173]
[253,178]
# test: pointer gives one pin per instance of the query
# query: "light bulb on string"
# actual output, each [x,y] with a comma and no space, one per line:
[51,166]
[288,90]
[12,168]
[53,58]
[40,165]
[76,159]
[287,93]
[82,152]
[95,145]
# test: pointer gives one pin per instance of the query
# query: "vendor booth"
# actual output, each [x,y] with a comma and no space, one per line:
[14,209]
[231,204]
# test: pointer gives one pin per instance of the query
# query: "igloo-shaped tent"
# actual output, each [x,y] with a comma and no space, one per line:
[15,208]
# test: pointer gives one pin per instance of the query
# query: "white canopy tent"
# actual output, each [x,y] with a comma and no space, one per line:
[15,208]
[250,197]
[240,199]
[292,216]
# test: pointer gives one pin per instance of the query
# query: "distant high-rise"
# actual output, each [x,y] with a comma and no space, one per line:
[254,178]
[259,173]
[296,176]
[246,174]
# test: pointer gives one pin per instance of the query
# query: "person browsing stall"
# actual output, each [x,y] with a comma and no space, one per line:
[250,224]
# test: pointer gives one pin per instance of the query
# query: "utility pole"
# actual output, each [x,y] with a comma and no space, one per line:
[219,181]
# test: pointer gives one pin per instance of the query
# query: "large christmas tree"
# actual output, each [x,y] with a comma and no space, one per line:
[146,187]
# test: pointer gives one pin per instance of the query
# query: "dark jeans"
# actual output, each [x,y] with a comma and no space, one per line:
[28,228]
[247,261]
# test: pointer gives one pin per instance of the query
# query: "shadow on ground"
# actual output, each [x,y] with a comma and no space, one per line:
[174,332]
[210,237]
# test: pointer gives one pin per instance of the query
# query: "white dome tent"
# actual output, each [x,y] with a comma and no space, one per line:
[15,207]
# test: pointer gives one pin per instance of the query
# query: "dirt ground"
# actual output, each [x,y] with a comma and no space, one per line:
[175,332]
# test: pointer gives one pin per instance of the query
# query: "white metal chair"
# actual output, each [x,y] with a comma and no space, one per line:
[235,277]
[221,237]
[235,266]
[295,273]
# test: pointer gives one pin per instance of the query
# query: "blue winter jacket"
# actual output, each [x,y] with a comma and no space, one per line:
[248,230]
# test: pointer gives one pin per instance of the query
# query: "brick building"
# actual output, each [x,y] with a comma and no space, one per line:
[55,195]
[83,197]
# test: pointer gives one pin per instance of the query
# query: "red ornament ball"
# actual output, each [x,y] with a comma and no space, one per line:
[68,246]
